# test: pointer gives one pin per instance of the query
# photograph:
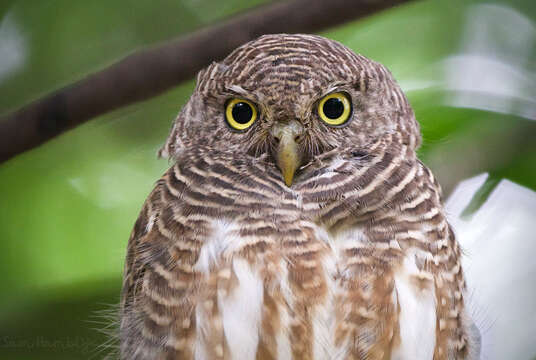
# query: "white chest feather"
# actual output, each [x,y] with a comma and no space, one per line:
[238,316]
[417,319]
[240,310]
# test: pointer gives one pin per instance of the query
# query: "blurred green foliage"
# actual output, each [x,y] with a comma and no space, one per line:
[67,207]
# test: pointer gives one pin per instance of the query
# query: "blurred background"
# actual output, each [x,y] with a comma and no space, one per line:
[67,207]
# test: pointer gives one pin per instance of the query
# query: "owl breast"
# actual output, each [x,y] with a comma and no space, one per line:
[322,303]
[276,282]
[240,266]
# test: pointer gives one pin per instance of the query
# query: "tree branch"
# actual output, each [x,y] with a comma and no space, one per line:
[150,72]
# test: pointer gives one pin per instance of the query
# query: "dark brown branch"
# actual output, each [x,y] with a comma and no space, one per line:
[152,71]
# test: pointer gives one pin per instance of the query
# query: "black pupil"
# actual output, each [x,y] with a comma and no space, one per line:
[242,113]
[333,108]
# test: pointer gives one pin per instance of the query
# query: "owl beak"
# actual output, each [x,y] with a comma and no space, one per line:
[288,157]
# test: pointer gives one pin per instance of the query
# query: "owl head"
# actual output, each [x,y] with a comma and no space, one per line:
[290,99]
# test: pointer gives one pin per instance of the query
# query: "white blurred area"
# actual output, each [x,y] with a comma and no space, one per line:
[13,48]
[494,70]
[499,242]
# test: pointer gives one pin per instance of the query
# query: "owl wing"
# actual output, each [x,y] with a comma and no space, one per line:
[134,268]
[157,311]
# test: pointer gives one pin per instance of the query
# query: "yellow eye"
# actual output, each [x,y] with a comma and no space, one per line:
[335,109]
[240,114]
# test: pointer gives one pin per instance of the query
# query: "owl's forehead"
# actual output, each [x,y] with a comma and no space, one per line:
[288,69]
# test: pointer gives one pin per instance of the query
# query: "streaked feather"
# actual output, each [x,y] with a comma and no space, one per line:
[354,261]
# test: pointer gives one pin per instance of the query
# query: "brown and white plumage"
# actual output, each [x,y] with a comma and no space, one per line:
[354,260]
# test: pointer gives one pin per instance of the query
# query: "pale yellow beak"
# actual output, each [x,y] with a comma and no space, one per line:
[288,157]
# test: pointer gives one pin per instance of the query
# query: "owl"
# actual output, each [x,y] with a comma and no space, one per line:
[296,221]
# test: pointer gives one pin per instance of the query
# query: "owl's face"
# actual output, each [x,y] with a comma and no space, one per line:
[290,99]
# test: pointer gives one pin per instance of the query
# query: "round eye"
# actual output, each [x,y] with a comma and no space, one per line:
[240,114]
[335,109]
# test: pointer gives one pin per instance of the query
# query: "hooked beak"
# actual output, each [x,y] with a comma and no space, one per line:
[287,155]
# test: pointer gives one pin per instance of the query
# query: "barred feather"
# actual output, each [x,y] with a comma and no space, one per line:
[354,261]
